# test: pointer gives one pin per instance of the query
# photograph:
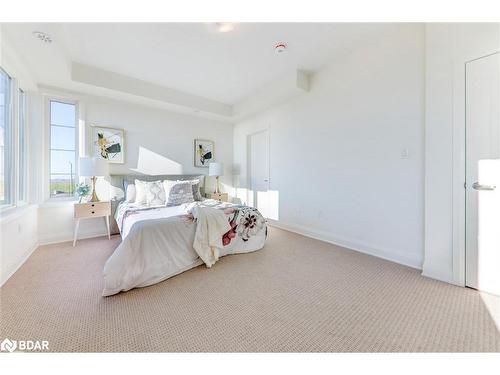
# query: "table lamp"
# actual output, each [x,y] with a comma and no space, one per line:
[93,167]
[216,169]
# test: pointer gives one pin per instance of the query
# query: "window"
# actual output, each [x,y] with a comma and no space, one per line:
[23,149]
[63,132]
[5,140]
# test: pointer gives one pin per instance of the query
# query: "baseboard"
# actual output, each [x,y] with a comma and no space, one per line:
[390,255]
[27,254]
[68,237]
[439,277]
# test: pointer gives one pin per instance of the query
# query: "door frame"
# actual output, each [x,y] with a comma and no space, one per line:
[459,168]
[249,161]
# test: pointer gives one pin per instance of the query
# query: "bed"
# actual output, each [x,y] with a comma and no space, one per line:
[160,241]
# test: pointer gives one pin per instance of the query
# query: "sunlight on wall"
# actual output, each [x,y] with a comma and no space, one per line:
[241,195]
[267,202]
[149,162]
[488,226]
[274,204]
[152,163]
[489,237]
[250,197]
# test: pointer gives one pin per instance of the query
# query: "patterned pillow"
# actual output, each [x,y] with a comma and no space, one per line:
[196,190]
[149,193]
[155,193]
[178,192]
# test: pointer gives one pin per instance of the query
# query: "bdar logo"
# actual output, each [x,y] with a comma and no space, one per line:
[8,345]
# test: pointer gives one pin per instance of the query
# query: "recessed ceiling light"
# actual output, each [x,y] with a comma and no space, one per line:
[224,27]
[280,48]
[44,37]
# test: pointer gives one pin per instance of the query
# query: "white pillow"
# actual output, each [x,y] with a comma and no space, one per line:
[130,193]
[140,193]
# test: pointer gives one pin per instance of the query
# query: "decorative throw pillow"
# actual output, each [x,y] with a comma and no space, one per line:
[155,193]
[178,192]
[196,190]
[140,192]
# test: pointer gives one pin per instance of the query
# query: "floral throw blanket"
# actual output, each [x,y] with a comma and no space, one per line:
[245,222]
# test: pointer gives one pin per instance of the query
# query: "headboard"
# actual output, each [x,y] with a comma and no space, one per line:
[117,188]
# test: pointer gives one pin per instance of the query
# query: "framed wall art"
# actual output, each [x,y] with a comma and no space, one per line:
[108,144]
[203,152]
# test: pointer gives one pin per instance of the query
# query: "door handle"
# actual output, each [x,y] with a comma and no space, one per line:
[476,186]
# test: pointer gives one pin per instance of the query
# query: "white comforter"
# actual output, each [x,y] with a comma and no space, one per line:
[158,243]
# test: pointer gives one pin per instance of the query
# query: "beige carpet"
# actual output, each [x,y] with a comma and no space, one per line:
[297,294]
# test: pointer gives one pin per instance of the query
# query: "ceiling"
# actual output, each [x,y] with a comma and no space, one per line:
[194,58]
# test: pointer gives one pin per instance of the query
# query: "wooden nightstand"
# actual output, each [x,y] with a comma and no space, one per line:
[222,197]
[89,210]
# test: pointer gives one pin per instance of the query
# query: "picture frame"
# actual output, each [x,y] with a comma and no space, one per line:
[203,153]
[108,144]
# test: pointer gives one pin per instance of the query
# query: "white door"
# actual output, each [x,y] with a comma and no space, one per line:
[258,171]
[483,174]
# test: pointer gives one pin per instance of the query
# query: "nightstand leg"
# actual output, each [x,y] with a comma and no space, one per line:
[107,226]
[77,224]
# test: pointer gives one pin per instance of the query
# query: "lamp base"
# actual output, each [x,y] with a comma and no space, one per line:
[94,197]
[217,190]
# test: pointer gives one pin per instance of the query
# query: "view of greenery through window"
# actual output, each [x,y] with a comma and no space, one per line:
[62,148]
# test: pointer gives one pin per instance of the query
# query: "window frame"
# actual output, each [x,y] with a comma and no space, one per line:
[9,145]
[16,90]
[22,144]
[48,126]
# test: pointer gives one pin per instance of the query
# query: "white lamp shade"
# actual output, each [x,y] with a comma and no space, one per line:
[89,167]
[215,169]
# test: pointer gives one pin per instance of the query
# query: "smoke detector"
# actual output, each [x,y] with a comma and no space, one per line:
[44,37]
[224,27]
[280,48]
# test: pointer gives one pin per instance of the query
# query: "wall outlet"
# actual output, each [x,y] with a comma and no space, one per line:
[405,153]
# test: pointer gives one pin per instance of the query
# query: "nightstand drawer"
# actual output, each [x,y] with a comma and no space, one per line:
[90,209]
[219,197]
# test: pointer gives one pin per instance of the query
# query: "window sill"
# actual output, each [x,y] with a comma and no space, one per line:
[58,202]
[10,213]
[4,208]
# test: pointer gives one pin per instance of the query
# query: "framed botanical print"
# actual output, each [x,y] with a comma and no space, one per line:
[203,152]
[108,144]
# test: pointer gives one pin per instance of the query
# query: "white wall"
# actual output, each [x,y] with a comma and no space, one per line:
[448,47]
[335,152]
[156,142]
[18,239]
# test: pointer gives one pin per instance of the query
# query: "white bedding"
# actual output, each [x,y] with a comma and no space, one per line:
[157,243]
